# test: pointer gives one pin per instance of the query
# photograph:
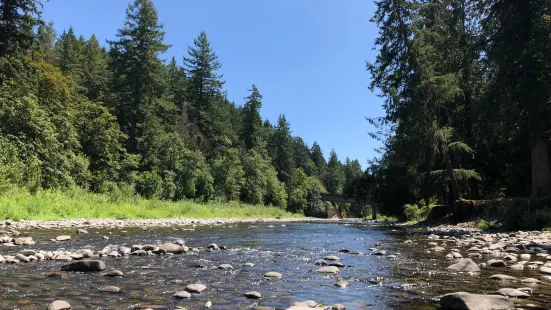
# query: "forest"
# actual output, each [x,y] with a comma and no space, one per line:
[466,86]
[116,118]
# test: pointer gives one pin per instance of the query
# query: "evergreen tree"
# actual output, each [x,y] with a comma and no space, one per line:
[17,21]
[281,146]
[518,48]
[204,87]
[319,161]
[302,157]
[46,41]
[252,121]
[96,74]
[139,79]
[335,175]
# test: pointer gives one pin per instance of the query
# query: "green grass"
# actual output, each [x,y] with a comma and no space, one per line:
[18,204]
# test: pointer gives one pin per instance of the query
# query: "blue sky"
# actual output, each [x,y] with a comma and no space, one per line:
[307,57]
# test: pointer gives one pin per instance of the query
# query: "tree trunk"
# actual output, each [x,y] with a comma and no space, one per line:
[451,176]
[374,212]
[541,176]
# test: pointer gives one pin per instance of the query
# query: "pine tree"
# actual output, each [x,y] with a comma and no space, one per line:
[281,150]
[205,85]
[96,74]
[319,161]
[302,158]
[252,122]
[139,79]
[335,175]
[519,49]
[46,41]
[17,21]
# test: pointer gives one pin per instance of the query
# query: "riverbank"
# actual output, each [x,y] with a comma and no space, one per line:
[50,205]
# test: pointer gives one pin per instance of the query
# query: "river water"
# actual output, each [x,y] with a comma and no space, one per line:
[414,280]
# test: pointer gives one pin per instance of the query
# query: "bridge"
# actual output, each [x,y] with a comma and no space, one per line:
[335,199]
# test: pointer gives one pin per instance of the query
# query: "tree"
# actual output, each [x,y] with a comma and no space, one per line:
[319,161]
[17,21]
[96,74]
[139,79]
[46,37]
[302,157]
[228,175]
[70,57]
[281,147]
[204,87]
[252,121]
[335,174]
[518,47]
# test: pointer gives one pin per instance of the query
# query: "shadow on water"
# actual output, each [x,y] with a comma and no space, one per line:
[414,280]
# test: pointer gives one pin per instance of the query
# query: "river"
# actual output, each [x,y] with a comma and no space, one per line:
[413,280]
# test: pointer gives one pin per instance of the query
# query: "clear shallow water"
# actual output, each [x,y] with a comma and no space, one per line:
[154,279]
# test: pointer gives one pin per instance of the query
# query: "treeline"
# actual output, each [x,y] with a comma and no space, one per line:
[121,119]
[467,93]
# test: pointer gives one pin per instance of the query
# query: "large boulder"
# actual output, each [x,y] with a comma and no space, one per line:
[465,265]
[84,266]
[466,301]
[173,248]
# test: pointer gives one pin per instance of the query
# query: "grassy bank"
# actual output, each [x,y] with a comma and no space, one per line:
[76,204]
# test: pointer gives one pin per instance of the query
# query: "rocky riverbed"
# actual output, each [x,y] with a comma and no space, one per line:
[222,264]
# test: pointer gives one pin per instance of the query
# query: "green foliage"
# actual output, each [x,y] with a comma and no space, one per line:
[281,150]
[416,212]
[335,177]
[487,225]
[252,122]
[525,214]
[91,132]
[229,176]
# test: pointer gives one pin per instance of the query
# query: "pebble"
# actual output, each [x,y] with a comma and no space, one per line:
[113,273]
[274,275]
[109,289]
[253,295]
[196,288]
[59,305]
[328,269]
[182,294]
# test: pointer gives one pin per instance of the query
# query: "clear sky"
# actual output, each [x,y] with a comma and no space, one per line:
[307,57]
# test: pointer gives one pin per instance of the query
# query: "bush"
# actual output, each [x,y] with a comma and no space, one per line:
[414,213]
[487,225]
[526,214]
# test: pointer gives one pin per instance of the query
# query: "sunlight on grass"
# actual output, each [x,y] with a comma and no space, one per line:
[18,204]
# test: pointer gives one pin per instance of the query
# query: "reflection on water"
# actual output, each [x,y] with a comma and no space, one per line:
[291,250]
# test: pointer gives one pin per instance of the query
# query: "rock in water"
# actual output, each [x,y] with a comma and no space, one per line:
[59,305]
[182,294]
[253,295]
[273,275]
[173,248]
[113,273]
[511,292]
[466,301]
[196,288]
[84,266]
[109,289]
[496,263]
[465,265]
[502,277]
[328,269]
[63,238]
